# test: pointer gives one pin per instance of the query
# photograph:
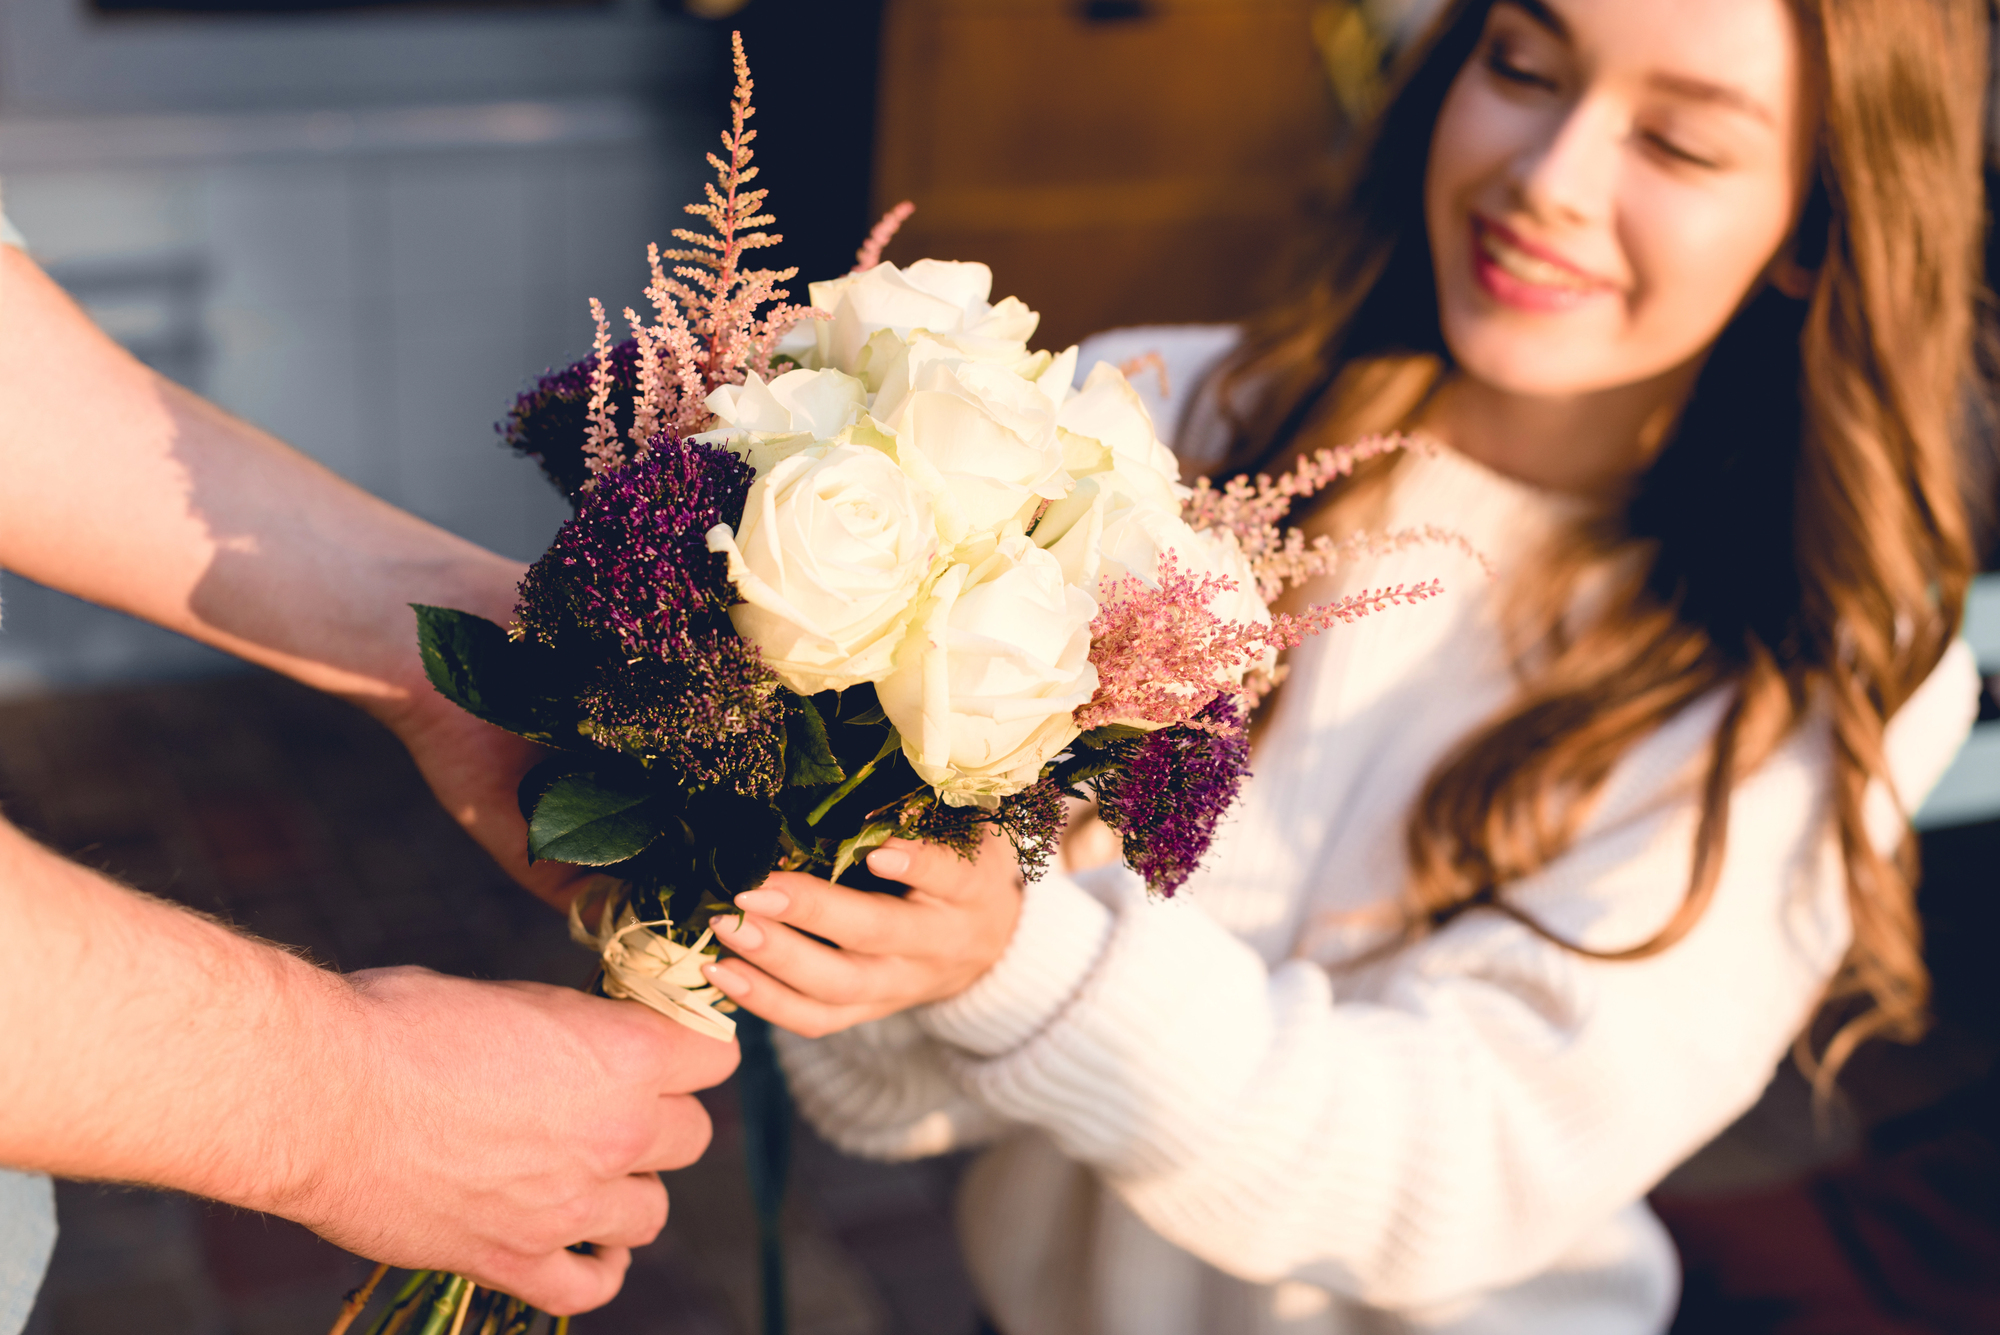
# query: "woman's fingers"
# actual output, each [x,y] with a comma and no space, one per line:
[840,977]
[863,920]
[761,994]
[936,871]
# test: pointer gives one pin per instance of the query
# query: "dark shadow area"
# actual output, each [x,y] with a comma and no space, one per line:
[1890,1224]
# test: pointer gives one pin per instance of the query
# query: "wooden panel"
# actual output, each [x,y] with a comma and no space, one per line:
[1112,172]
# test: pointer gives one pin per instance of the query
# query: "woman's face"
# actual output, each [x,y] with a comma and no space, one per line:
[1608,181]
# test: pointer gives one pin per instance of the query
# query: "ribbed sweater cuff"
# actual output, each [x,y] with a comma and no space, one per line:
[1061,933]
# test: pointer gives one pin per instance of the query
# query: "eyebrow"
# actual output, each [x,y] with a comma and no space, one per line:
[1679,85]
[1542,14]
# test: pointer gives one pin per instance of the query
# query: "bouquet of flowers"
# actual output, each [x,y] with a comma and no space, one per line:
[865,568]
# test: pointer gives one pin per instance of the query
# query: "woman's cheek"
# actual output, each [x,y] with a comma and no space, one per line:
[1696,255]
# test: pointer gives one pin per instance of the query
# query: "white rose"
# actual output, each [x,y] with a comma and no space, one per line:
[979,438]
[985,685]
[1108,413]
[943,296]
[1099,536]
[835,543]
[764,423]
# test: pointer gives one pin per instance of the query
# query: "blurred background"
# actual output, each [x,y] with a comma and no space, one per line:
[366,224]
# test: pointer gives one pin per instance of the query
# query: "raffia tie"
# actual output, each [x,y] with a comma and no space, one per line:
[642,965]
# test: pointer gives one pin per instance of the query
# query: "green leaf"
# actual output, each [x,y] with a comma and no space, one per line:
[1110,733]
[1082,769]
[852,847]
[809,760]
[589,819]
[474,665]
[462,655]
[889,746]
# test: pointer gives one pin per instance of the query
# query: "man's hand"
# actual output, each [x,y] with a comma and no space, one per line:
[418,1119]
[500,1124]
[887,954]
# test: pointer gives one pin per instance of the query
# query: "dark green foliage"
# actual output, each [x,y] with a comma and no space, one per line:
[592,819]
[809,758]
[473,664]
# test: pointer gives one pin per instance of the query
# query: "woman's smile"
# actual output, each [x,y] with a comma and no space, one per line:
[1632,169]
[1516,272]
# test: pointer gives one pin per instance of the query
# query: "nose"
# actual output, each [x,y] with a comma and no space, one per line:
[1569,175]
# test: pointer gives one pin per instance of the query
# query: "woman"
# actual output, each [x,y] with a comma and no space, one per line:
[1535,885]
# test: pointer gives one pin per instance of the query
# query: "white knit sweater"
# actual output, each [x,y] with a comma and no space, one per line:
[1200,1129]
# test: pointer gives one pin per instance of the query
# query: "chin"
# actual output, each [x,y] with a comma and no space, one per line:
[1533,367]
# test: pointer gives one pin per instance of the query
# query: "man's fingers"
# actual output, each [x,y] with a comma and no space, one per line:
[761,994]
[682,1060]
[683,1133]
[628,1212]
[564,1283]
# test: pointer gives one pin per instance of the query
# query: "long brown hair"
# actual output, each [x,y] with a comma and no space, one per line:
[1801,537]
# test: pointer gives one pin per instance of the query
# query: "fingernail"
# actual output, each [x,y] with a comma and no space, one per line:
[739,932]
[726,978]
[770,903]
[888,862]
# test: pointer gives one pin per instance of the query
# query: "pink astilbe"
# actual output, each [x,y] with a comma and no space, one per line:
[600,433]
[880,235]
[707,332]
[1163,656]
[1298,559]
[1253,510]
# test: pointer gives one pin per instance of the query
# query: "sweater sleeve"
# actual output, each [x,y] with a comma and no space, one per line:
[1498,1095]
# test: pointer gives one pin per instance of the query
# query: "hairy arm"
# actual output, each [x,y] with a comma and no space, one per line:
[125,489]
[417,1119]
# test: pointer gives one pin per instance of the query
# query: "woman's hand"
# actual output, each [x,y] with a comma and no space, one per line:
[886,954]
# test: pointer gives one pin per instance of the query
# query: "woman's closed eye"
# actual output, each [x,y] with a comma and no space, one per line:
[1677,152]
[1512,67]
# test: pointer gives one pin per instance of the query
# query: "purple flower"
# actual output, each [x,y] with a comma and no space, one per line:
[630,593]
[1173,788]
[547,423]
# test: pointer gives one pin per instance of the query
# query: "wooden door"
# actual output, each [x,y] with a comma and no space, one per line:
[1114,161]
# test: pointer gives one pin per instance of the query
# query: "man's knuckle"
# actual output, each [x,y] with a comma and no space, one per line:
[624,1142]
[567,1219]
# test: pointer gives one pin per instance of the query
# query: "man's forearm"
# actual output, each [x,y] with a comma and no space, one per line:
[129,491]
[148,1044]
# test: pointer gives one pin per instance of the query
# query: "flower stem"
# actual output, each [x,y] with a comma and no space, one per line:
[889,744]
[357,1299]
[404,1305]
[464,1306]
[443,1306]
